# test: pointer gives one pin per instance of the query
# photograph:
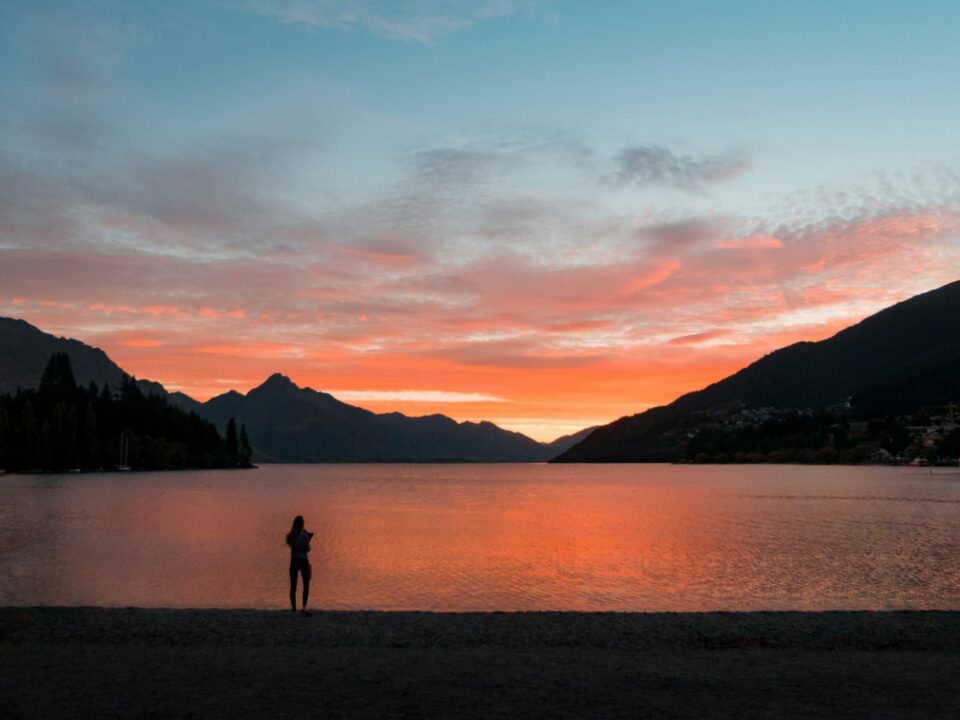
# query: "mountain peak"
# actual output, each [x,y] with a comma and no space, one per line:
[278,382]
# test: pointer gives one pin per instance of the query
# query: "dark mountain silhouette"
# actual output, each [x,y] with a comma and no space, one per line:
[292,424]
[25,351]
[564,443]
[184,402]
[892,363]
[285,423]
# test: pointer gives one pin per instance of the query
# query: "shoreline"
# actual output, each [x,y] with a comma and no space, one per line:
[118,471]
[130,662]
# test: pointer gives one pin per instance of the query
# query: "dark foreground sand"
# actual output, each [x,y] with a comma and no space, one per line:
[87,662]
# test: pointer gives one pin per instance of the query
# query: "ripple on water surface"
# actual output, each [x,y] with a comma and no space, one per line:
[490,537]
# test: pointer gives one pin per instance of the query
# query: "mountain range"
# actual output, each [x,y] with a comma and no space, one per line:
[892,363]
[287,423]
[295,424]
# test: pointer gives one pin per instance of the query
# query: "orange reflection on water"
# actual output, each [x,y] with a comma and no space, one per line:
[489,537]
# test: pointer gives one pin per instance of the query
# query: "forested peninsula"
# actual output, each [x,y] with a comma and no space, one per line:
[61,427]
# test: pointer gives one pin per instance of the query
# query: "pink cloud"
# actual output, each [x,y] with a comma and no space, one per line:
[756,241]
[171,310]
[700,337]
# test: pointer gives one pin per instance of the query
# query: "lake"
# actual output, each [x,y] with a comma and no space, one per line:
[490,537]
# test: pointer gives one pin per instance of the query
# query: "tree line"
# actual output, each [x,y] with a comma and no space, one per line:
[61,426]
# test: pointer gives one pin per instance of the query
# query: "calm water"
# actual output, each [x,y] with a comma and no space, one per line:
[490,537]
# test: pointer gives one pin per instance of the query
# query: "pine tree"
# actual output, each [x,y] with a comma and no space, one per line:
[233,449]
[57,380]
[90,447]
[29,435]
[246,451]
[4,437]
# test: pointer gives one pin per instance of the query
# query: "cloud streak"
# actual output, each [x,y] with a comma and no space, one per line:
[656,165]
[414,396]
[426,22]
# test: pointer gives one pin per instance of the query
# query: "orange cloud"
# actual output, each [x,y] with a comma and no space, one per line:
[145,343]
[252,349]
[165,310]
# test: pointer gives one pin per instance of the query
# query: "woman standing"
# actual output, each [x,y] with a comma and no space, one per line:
[299,541]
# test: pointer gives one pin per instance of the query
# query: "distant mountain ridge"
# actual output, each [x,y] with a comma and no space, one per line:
[292,424]
[894,362]
[287,423]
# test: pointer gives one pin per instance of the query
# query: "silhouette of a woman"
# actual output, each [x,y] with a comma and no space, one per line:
[299,541]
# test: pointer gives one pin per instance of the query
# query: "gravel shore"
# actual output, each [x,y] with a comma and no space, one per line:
[138,663]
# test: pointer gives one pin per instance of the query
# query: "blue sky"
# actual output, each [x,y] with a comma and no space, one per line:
[815,92]
[474,194]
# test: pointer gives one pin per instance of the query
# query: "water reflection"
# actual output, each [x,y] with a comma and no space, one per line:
[484,537]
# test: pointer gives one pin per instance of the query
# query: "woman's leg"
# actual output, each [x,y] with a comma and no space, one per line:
[293,588]
[306,584]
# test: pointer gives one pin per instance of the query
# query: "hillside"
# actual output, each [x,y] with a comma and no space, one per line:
[893,363]
[25,351]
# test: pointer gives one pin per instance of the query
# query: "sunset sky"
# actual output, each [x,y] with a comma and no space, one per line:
[544,214]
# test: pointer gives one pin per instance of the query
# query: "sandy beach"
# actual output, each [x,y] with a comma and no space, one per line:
[136,663]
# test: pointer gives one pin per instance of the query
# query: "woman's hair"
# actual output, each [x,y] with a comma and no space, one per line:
[295,530]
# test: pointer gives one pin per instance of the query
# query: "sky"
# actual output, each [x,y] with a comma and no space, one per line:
[547,214]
